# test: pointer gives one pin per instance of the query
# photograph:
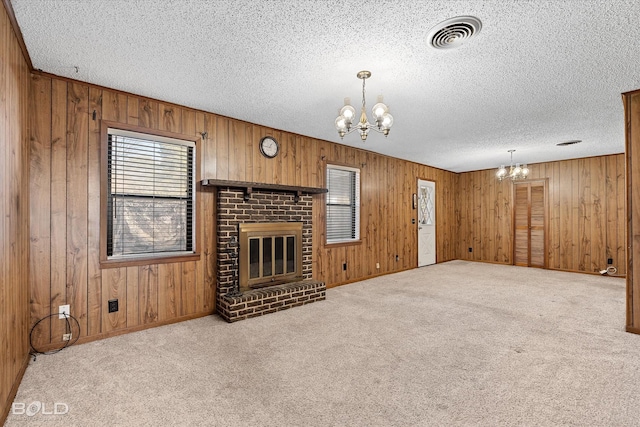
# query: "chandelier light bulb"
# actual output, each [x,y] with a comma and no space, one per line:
[525,170]
[348,112]
[341,123]
[379,110]
[387,121]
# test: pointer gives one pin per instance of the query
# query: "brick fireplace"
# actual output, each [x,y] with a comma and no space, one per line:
[276,210]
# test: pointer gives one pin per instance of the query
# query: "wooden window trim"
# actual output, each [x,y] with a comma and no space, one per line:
[144,259]
[341,244]
[353,242]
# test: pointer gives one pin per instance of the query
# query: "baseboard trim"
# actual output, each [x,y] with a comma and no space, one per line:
[346,282]
[594,273]
[84,340]
[14,390]
[632,330]
[482,261]
[566,270]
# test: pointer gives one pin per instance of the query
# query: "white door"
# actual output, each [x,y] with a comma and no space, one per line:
[426,223]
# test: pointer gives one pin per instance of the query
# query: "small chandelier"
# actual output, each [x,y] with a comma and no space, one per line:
[514,173]
[384,120]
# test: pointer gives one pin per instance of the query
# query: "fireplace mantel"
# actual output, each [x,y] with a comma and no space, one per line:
[250,186]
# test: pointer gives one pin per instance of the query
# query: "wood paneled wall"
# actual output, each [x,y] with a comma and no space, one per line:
[14,214]
[632,121]
[586,220]
[65,213]
[388,235]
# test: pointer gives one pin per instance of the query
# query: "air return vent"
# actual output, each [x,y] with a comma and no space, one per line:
[454,32]
[575,141]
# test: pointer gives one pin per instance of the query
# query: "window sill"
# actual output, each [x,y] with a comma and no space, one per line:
[148,260]
[345,243]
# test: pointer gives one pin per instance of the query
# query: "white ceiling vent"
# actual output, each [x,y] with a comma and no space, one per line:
[453,32]
[573,141]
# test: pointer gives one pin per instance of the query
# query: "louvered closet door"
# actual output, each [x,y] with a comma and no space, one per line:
[536,224]
[521,220]
[529,224]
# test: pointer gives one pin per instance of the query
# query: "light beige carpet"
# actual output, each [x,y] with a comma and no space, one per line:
[457,343]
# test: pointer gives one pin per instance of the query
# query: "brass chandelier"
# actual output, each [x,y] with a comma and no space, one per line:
[380,111]
[515,173]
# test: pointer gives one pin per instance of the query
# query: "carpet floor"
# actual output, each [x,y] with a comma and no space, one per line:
[453,344]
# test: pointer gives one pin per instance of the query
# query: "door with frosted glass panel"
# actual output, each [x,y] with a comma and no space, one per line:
[426,223]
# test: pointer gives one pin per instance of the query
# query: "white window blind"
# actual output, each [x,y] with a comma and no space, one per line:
[151,198]
[343,204]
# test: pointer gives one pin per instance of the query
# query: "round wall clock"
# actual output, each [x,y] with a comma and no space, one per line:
[269,147]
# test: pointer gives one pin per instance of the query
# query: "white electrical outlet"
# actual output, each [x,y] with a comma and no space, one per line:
[377,265]
[62,310]
[66,337]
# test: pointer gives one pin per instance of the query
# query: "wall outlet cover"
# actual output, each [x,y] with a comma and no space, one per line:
[113,305]
[64,309]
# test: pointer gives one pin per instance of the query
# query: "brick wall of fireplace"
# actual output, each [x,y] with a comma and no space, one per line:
[260,207]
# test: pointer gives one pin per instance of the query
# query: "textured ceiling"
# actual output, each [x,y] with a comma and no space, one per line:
[539,72]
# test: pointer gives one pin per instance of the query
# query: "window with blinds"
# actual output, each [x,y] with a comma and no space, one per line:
[150,195]
[343,204]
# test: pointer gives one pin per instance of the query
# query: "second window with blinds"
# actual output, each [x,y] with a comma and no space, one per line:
[343,204]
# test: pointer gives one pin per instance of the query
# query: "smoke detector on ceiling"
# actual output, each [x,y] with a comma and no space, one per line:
[453,32]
